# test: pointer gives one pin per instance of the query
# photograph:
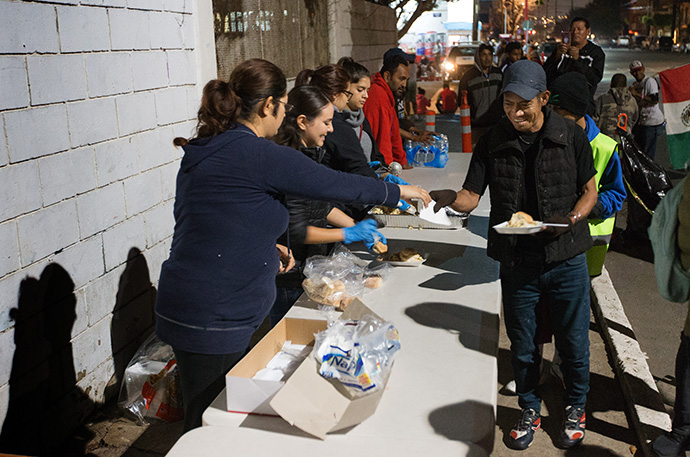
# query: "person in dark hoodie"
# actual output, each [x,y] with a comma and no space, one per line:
[608,106]
[305,128]
[218,283]
[483,85]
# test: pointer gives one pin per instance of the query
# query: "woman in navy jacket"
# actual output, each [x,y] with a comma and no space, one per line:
[218,284]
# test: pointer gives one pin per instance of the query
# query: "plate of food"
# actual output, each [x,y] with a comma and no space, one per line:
[407,257]
[520,223]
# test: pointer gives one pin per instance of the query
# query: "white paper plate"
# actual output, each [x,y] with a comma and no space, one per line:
[503,229]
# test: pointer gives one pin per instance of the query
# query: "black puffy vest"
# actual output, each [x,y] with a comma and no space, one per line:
[557,189]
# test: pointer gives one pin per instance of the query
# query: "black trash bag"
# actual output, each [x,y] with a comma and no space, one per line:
[647,181]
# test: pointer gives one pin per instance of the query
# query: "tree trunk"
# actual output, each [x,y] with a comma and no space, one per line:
[422,7]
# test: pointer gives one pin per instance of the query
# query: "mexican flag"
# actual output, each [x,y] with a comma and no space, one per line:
[675,93]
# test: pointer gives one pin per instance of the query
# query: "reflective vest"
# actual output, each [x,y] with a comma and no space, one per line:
[603,147]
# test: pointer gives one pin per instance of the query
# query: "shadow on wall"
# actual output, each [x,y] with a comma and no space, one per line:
[133,316]
[45,404]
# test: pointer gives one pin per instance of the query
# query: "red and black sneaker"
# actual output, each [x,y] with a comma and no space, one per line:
[573,427]
[522,435]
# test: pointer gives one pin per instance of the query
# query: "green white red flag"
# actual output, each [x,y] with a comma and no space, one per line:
[675,93]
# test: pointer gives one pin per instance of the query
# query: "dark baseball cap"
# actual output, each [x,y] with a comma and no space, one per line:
[392,52]
[525,79]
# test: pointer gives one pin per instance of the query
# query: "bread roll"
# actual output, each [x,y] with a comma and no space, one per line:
[380,248]
[520,219]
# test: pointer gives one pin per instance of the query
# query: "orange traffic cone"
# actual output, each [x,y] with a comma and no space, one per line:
[430,120]
[466,128]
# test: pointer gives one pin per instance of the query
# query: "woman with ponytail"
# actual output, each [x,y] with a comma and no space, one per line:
[305,128]
[218,283]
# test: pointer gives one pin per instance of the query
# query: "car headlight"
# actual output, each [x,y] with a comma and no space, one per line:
[449,66]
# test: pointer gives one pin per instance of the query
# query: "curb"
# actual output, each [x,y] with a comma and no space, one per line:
[646,409]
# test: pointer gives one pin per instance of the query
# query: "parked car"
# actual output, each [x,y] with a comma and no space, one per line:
[623,41]
[683,46]
[459,59]
[664,43]
[641,42]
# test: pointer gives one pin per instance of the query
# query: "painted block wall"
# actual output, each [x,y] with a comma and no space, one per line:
[93,92]
[361,30]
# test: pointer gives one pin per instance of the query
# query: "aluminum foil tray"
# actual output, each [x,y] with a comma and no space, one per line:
[459,220]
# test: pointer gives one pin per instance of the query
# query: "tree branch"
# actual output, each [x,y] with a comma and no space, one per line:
[422,7]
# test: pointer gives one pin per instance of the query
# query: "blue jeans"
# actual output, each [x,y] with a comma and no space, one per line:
[285,298]
[647,137]
[564,287]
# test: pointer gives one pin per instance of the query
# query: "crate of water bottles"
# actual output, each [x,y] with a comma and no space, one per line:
[434,154]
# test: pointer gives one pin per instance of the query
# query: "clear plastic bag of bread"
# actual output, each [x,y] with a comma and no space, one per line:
[372,277]
[359,353]
[333,281]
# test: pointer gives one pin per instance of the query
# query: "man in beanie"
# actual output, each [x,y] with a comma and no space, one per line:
[569,99]
[483,84]
[535,161]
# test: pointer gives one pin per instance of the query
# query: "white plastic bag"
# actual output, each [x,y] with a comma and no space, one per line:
[151,384]
[359,353]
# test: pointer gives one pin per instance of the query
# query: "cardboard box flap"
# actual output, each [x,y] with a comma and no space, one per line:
[318,405]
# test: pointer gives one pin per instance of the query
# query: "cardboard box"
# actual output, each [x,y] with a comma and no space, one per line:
[247,395]
[318,405]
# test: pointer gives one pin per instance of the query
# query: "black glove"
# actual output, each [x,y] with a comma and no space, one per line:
[553,232]
[597,212]
[443,198]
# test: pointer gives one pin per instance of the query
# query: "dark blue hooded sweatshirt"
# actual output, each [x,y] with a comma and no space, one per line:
[218,284]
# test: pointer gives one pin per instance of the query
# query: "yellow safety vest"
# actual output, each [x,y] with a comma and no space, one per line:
[603,147]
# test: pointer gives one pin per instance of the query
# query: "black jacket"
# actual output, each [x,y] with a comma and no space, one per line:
[590,64]
[557,184]
[304,212]
[344,151]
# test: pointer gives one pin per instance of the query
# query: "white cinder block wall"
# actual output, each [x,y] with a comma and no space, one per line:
[92,94]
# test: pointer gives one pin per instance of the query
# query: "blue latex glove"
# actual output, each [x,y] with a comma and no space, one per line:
[378,236]
[374,164]
[403,205]
[395,180]
[363,231]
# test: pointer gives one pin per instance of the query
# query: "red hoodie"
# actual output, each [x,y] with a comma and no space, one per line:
[380,112]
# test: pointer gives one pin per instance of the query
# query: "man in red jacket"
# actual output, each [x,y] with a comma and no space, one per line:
[386,85]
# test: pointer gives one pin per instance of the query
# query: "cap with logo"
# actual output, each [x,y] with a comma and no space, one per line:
[635,64]
[525,79]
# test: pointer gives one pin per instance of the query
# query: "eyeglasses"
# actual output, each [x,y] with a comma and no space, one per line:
[288,107]
[348,94]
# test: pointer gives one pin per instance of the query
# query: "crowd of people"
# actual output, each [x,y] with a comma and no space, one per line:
[273,177]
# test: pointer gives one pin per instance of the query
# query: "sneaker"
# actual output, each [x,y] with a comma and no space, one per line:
[672,444]
[573,427]
[522,435]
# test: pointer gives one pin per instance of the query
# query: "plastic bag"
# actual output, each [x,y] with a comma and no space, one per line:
[151,385]
[359,353]
[433,155]
[646,180]
[336,280]
[333,281]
